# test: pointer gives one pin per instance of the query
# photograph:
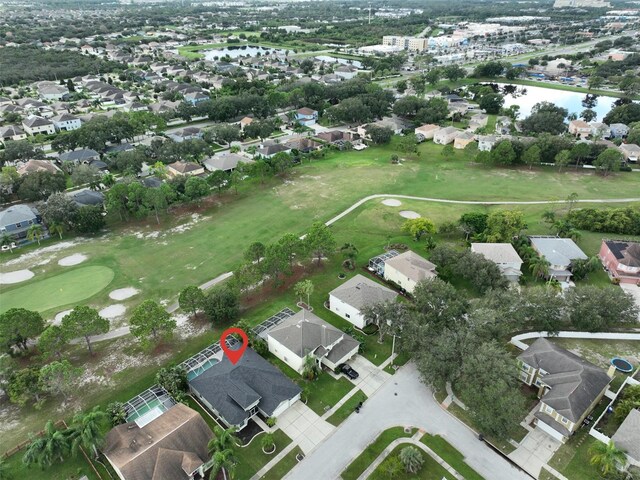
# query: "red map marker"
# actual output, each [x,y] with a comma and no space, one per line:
[233,355]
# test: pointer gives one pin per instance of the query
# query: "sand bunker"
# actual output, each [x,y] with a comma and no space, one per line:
[15,277]
[58,318]
[391,202]
[409,214]
[123,293]
[74,259]
[113,311]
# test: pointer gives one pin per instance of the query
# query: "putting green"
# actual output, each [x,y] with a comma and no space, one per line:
[64,289]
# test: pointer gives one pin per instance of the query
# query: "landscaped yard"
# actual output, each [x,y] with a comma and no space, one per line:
[360,464]
[284,466]
[346,409]
[450,455]
[71,469]
[430,469]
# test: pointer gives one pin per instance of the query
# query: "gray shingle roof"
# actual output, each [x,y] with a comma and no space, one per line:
[413,266]
[360,292]
[230,389]
[497,252]
[574,383]
[16,214]
[226,162]
[558,251]
[313,335]
[79,155]
[627,437]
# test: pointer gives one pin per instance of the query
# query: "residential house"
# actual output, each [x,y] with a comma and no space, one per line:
[569,387]
[306,116]
[560,253]
[270,149]
[486,142]
[187,133]
[12,132]
[503,125]
[83,155]
[346,72]
[52,91]
[627,437]
[31,166]
[579,128]
[394,123]
[172,446]
[504,256]
[226,162]
[245,121]
[427,131]
[88,198]
[305,334]
[16,220]
[463,139]
[348,300]
[180,168]
[630,151]
[599,130]
[66,122]
[407,270]
[621,259]
[618,130]
[446,135]
[236,393]
[477,121]
[303,144]
[34,125]
[195,98]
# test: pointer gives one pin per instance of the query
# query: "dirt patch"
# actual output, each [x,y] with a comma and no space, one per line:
[71,260]
[391,202]
[113,311]
[267,290]
[409,214]
[16,277]
[123,293]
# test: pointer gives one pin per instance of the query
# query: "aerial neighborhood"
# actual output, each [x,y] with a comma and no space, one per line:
[319,240]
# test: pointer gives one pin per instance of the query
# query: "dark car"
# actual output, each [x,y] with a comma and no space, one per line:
[348,371]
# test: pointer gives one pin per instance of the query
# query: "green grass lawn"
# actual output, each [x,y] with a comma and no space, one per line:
[573,458]
[430,470]
[450,455]
[71,469]
[360,464]
[284,466]
[346,409]
[67,288]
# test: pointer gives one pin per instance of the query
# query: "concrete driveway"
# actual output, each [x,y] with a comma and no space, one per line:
[634,290]
[402,401]
[371,377]
[302,423]
[535,450]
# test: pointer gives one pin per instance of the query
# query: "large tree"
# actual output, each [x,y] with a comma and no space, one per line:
[88,430]
[52,341]
[594,309]
[418,227]
[608,161]
[59,208]
[18,326]
[40,185]
[59,378]
[51,446]
[221,305]
[387,316]
[151,323]
[191,299]
[85,322]
[23,387]
[545,117]
[504,225]
[320,241]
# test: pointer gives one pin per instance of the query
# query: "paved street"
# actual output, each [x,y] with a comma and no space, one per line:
[403,400]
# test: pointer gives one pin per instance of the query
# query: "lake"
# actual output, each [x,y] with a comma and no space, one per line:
[343,61]
[242,51]
[526,97]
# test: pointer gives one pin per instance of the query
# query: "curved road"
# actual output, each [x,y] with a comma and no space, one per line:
[120,332]
[402,401]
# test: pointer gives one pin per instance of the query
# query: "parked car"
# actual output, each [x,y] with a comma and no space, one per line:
[348,371]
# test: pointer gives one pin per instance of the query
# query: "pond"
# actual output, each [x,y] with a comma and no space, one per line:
[242,51]
[526,97]
[343,61]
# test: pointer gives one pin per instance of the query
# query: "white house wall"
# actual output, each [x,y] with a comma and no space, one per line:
[346,311]
[393,275]
[284,354]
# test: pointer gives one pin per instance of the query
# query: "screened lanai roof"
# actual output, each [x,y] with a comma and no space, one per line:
[262,329]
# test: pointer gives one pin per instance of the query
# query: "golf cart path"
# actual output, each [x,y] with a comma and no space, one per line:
[122,331]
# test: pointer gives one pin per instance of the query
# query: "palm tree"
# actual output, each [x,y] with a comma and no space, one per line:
[35,233]
[539,266]
[607,456]
[88,430]
[7,239]
[310,367]
[43,450]
[412,459]
[225,461]
[108,180]
[55,227]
